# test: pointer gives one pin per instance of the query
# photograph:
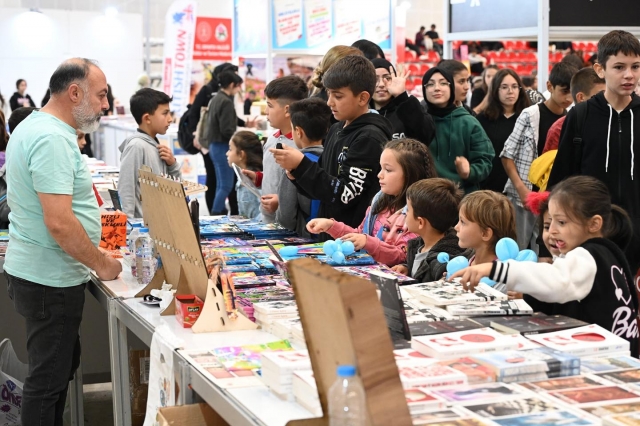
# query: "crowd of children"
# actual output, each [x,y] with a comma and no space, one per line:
[361,160]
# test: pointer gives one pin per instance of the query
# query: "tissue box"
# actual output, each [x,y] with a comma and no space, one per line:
[188,309]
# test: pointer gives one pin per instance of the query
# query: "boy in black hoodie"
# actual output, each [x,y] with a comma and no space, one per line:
[432,211]
[610,133]
[345,179]
[390,99]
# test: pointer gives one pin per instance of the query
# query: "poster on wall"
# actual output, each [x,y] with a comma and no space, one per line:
[212,39]
[288,21]
[178,53]
[317,17]
[249,36]
[347,21]
[375,23]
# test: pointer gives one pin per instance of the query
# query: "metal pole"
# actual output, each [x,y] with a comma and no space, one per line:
[147,36]
[447,45]
[543,42]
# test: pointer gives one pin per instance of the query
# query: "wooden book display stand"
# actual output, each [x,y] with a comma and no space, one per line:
[344,323]
[166,214]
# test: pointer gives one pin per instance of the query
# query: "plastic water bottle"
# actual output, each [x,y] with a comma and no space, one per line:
[346,399]
[133,235]
[145,257]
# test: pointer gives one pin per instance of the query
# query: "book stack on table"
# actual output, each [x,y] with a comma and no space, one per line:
[266,313]
[278,368]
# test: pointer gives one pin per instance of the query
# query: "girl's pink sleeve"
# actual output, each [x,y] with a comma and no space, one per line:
[389,254]
[339,229]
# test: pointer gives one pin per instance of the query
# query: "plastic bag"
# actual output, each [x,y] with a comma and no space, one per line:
[12,376]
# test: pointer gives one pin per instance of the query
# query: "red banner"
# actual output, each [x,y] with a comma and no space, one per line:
[213,39]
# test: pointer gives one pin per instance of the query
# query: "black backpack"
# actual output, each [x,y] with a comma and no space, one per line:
[185,137]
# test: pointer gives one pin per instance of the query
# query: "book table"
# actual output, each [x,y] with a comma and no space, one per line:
[240,406]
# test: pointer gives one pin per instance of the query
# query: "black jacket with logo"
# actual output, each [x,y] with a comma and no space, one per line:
[408,119]
[345,179]
[431,269]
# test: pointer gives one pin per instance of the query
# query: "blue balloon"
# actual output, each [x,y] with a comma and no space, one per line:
[329,247]
[527,256]
[289,251]
[443,257]
[456,264]
[338,257]
[338,241]
[348,248]
[488,282]
[507,249]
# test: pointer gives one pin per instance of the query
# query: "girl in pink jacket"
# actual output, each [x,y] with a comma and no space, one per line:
[383,232]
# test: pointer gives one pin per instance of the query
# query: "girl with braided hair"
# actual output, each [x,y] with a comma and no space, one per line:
[383,232]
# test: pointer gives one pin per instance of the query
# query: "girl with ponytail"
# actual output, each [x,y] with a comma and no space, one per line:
[591,279]
[383,232]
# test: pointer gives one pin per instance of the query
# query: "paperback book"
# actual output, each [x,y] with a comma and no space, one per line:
[536,324]
[564,383]
[463,343]
[629,419]
[421,400]
[430,376]
[608,363]
[511,407]
[476,373]
[440,327]
[479,393]
[494,307]
[555,417]
[443,293]
[600,410]
[517,363]
[622,377]
[600,394]
[583,341]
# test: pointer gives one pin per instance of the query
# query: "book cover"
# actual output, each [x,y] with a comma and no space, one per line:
[532,377]
[608,363]
[560,417]
[478,393]
[564,383]
[277,307]
[516,363]
[463,421]
[524,343]
[441,327]
[114,230]
[392,305]
[594,394]
[623,377]
[629,419]
[209,365]
[463,343]
[511,407]
[421,400]
[476,373]
[492,307]
[430,376]
[535,324]
[443,293]
[600,410]
[439,416]
[581,341]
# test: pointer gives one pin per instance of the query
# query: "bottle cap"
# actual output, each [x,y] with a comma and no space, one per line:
[136,225]
[144,229]
[346,371]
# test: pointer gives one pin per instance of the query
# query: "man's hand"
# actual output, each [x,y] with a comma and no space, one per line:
[109,270]
[288,158]
[462,167]
[398,84]
[401,269]
[250,174]
[317,226]
[358,240]
[470,277]
[269,203]
[166,155]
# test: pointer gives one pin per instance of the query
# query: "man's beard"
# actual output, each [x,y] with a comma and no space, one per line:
[86,120]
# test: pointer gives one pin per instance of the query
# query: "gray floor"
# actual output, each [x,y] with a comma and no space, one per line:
[98,406]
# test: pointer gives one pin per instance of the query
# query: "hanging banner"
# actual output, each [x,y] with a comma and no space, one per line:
[213,39]
[318,22]
[180,25]
[288,18]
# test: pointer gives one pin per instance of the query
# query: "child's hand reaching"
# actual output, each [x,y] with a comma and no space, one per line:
[269,202]
[317,226]
[358,240]
[166,155]
[288,158]
[401,269]
[470,277]
[462,167]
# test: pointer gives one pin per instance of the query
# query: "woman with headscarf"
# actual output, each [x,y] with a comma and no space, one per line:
[461,148]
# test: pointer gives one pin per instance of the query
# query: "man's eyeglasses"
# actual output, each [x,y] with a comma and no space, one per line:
[441,84]
[514,88]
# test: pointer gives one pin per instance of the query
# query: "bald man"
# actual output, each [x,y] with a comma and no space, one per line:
[54,233]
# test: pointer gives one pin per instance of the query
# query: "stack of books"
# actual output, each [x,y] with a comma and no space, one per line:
[463,343]
[493,307]
[365,272]
[283,328]
[247,297]
[443,293]
[535,324]
[305,391]
[266,313]
[277,370]
[583,341]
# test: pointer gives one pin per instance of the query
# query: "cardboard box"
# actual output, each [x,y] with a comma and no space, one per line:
[188,309]
[138,385]
[114,230]
[190,415]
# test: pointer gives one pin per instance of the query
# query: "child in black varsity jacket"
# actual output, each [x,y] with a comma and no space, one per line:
[591,280]
[345,179]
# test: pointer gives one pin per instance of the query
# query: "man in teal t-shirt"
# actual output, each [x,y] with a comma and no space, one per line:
[54,233]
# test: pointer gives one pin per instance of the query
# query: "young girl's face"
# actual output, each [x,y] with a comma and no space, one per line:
[549,241]
[391,175]
[469,233]
[234,156]
[566,231]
